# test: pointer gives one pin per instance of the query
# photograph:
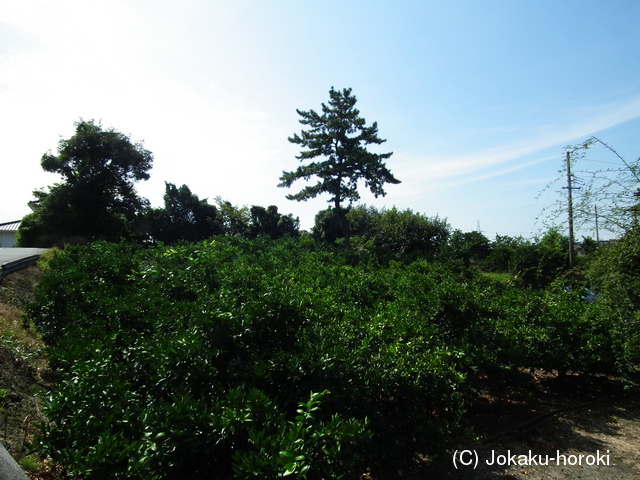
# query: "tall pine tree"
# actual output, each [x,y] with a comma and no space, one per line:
[338,137]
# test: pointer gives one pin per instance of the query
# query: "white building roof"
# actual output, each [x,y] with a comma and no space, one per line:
[10,226]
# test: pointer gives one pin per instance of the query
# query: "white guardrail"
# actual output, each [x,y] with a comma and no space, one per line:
[16,265]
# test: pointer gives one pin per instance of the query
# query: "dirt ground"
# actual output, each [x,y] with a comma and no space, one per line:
[24,375]
[545,428]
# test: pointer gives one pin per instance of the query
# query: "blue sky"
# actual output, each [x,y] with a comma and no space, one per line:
[476,99]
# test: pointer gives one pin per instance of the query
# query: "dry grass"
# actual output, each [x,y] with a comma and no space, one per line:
[13,336]
[24,374]
[16,336]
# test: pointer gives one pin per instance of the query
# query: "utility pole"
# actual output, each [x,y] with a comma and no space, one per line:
[570,188]
[595,209]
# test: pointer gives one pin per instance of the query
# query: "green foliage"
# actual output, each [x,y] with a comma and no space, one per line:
[326,227]
[235,219]
[293,447]
[589,245]
[536,263]
[387,233]
[97,198]
[187,218]
[184,217]
[555,329]
[405,233]
[138,334]
[215,359]
[267,221]
[45,226]
[502,251]
[468,246]
[614,274]
[30,463]
[331,135]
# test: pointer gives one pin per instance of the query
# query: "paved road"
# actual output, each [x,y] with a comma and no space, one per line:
[11,254]
[10,259]
[9,468]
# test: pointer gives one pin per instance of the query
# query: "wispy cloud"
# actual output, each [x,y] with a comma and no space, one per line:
[526,182]
[589,121]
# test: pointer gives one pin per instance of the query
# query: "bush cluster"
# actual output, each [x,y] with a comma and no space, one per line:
[238,358]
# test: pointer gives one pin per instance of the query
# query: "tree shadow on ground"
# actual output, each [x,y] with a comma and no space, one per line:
[528,418]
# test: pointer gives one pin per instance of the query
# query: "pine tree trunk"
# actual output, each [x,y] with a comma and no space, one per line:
[344,225]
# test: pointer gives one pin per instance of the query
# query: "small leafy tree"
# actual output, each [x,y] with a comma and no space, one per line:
[468,246]
[401,234]
[235,219]
[268,221]
[614,274]
[184,217]
[96,199]
[537,263]
[340,136]
[589,245]
[326,226]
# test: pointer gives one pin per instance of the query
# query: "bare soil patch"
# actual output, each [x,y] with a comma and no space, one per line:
[534,425]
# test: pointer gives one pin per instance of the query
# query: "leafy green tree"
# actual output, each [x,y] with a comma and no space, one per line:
[184,217]
[268,221]
[326,226]
[552,257]
[340,137]
[589,245]
[469,246]
[96,198]
[235,220]
[401,234]
[407,233]
[46,225]
[507,253]
[614,274]
[537,263]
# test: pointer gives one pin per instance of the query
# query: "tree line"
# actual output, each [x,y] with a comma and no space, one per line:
[96,200]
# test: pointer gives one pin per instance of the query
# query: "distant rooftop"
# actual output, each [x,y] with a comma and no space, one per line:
[10,226]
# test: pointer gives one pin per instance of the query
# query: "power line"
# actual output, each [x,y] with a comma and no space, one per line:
[596,139]
[598,161]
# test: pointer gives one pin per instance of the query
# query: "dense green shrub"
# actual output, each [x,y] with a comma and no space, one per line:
[468,247]
[614,274]
[268,221]
[184,217]
[216,359]
[152,341]
[536,263]
[555,329]
[386,233]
